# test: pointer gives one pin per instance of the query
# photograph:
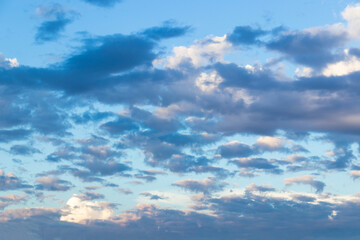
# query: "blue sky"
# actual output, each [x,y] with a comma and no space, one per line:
[179,119]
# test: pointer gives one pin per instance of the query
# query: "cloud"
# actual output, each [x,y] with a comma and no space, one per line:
[236,149]
[311,47]
[9,181]
[168,30]
[14,134]
[52,184]
[209,50]
[152,196]
[257,164]
[90,196]
[125,191]
[58,18]
[352,16]
[23,150]
[80,210]
[10,199]
[120,126]
[262,188]
[246,35]
[205,186]
[263,144]
[235,215]
[318,185]
[8,63]
[344,67]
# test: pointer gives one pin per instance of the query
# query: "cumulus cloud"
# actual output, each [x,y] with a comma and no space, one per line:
[262,188]
[57,19]
[8,63]
[236,149]
[257,164]
[80,210]
[23,150]
[117,106]
[10,199]
[209,50]
[205,186]
[355,174]
[168,30]
[52,184]
[262,144]
[8,181]
[233,215]
[270,143]
[307,179]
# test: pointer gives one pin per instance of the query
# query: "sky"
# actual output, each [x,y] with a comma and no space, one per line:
[178,119]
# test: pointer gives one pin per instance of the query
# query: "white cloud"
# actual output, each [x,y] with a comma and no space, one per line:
[304,72]
[341,68]
[270,143]
[8,62]
[352,15]
[79,210]
[208,82]
[208,50]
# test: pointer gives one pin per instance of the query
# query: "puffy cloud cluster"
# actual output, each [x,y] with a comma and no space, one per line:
[8,181]
[251,214]
[118,111]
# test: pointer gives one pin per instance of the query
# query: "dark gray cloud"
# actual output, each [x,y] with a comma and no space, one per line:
[262,188]
[23,150]
[152,196]
[205,186]
[90,196]
[246,35]
[257,164]
[50,30]
[314,49]
[237,216]
[10,199]
[15,134]
[52,184]
[8,181]
[120,126]
[57,19]
[168,30]
[236,149]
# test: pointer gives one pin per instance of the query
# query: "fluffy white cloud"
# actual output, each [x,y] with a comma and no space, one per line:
[79,210]
[208,82]
[352,15]
[208,50]
[8,62]
[270,143]
[341,68]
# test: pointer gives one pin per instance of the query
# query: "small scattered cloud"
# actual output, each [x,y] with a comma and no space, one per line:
[206,186]
[307,179]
